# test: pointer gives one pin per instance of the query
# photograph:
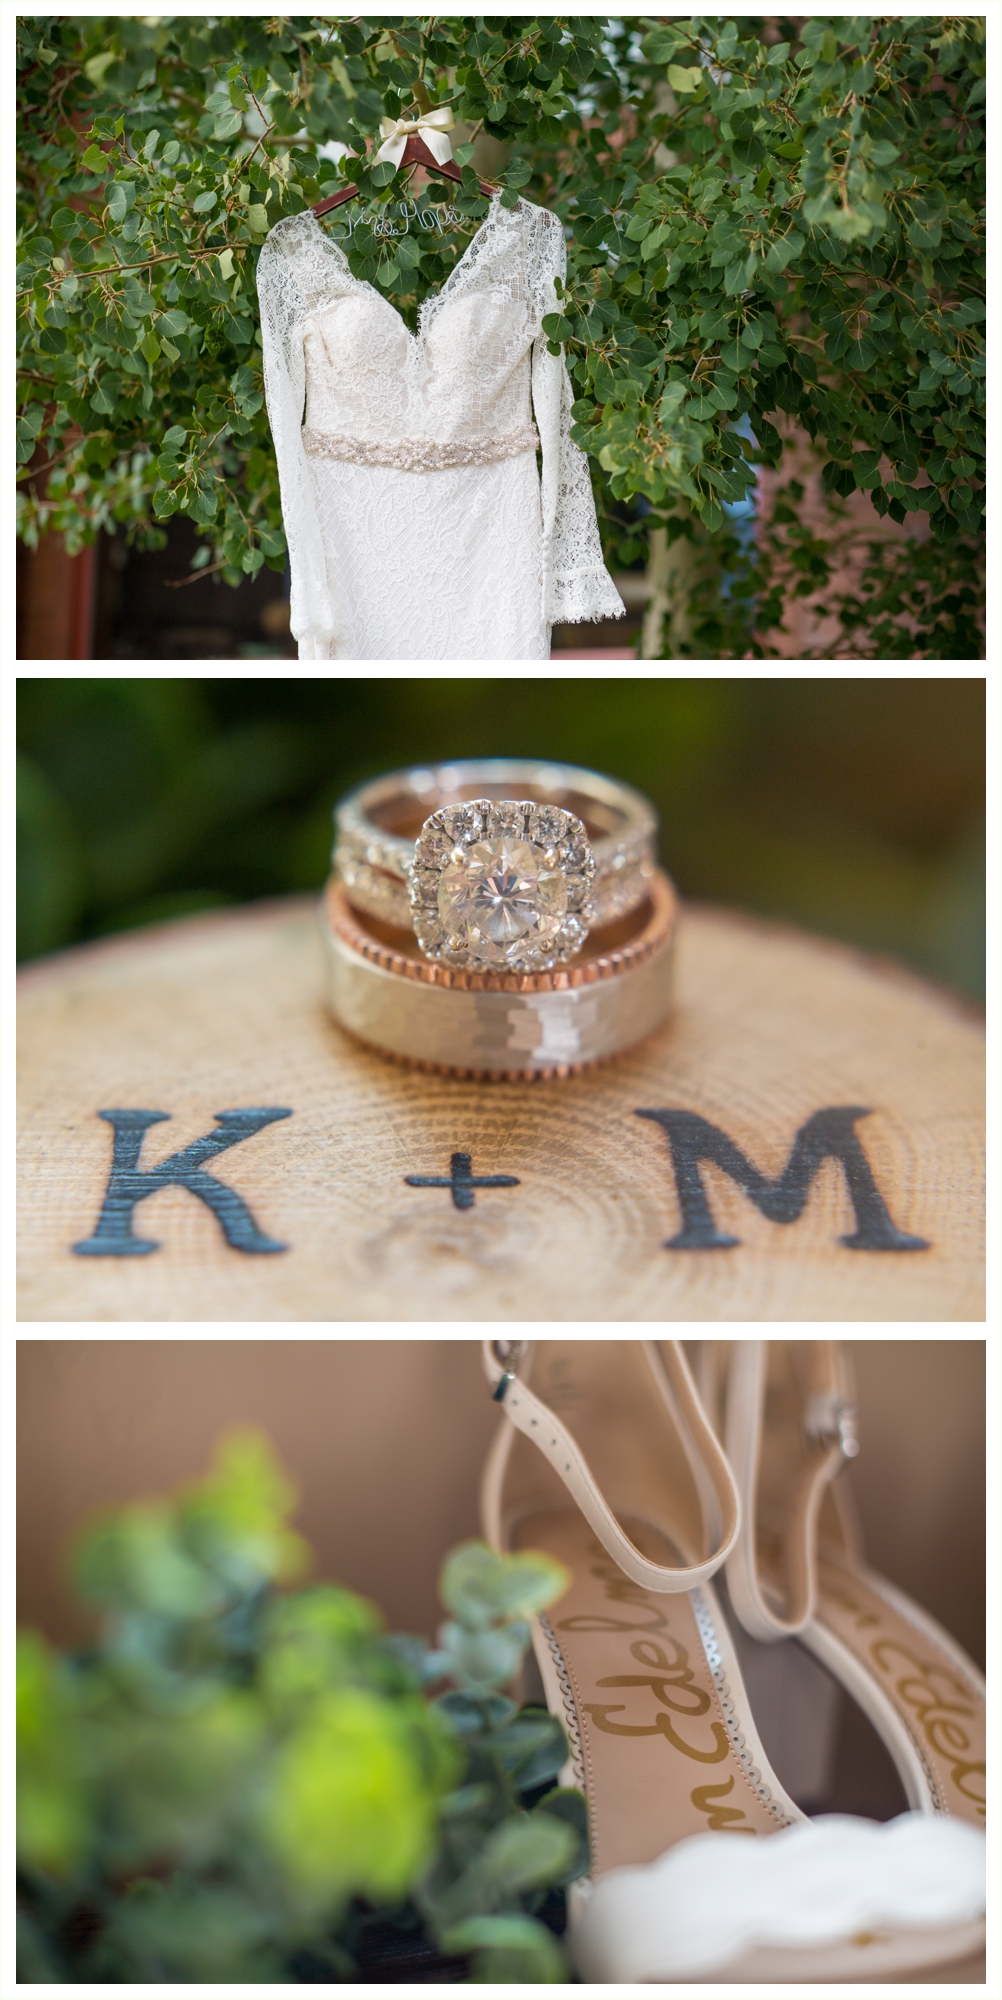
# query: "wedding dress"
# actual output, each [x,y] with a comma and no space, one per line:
[417,523]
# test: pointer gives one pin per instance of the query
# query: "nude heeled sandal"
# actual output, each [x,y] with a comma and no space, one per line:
[798,1567]
[605,1459]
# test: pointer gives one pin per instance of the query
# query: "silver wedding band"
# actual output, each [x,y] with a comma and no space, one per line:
[378,824]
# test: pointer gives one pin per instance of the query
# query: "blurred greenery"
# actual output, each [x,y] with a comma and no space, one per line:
[854,807]
[236,1782]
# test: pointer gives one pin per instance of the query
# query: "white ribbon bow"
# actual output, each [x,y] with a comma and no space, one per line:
[432,125]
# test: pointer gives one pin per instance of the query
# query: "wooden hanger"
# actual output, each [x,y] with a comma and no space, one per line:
[415,154]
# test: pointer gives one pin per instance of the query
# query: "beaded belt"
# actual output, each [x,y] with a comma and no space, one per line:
[420,454]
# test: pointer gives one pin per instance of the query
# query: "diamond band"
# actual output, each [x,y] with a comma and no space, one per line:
[503,885]
[374,852]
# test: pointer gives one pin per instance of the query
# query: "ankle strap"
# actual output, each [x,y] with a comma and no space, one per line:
[829,1438]
[505,1364]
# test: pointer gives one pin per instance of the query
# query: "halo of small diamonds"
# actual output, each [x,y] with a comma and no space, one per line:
[501,884]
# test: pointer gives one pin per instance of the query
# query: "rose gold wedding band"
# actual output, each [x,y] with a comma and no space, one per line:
[502,1025]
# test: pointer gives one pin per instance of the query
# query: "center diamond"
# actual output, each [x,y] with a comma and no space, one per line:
[498,892]
[503,886]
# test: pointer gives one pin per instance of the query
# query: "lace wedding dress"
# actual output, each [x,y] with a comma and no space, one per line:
[417,523]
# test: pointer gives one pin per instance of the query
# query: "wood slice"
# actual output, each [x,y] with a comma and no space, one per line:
[771,1028]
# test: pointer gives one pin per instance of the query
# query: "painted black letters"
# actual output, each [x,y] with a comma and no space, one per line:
[828,1134]
[128,1183]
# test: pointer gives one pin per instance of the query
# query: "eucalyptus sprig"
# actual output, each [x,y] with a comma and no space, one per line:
[243,1774]
[496,1860]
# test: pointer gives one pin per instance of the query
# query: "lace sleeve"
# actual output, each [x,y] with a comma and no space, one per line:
[576,584]
[282,315]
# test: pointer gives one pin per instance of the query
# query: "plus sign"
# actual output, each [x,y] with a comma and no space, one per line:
[461,1180]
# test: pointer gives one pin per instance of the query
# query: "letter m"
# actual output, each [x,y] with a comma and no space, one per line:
[827,1135]
[129,1184]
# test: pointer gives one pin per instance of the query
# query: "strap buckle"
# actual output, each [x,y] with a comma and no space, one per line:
[828,1416]
[508,1353]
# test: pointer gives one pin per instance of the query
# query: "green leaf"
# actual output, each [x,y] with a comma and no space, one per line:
[350,1805]
[257,216]
[105,398]
[204,202]
[660,44]
[532,1748]
[654,241]
[734,356]
[525,1851]
[479,1585]
[685,80]
[569,1804]
[25,444]
[121,196]
[508,1950]
[407,252]
[98,66]
[228,124]
[171,153]
[204,507]
[95,161]
[482,1659]
[33,417]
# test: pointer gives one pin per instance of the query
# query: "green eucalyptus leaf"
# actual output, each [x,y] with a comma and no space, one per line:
[484,1659]
[508,1950]
[526,1851]
[480,1586]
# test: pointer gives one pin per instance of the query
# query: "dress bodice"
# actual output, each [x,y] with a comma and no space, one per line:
[466,373]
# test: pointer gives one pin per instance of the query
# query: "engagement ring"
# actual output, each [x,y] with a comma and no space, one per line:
[498,918]
[496,864]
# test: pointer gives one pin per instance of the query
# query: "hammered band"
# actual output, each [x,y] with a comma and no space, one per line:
[377,825]
[503,1026]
